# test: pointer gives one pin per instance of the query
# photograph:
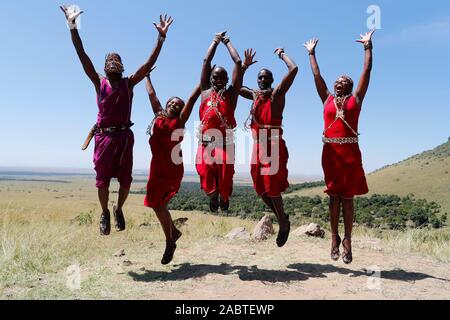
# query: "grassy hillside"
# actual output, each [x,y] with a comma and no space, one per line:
[426,175]
[46,228]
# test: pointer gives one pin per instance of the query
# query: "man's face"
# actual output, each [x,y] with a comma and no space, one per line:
[113,64]
[265,79]
[219,78]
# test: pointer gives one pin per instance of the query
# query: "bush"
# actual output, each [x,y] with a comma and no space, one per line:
[387,211]
[83,219]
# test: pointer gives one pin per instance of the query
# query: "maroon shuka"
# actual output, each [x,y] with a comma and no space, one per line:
[113,154]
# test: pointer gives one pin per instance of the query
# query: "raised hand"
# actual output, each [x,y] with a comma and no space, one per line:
[311,45]
[225,40]
[249,56]
[279,52]
[72,13]
[153,68]
[163,25]
[220,36]
[366,38]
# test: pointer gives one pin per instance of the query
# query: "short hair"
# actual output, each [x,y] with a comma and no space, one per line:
[266,70]
[219,68]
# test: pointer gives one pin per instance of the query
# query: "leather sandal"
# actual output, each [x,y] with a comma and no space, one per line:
[347,256]
[224,205]
[335,253]
[171,246]
[105,223]
[214,203]
[119,219]
[283,235]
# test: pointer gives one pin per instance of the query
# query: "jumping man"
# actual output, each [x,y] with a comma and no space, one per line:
[113,154]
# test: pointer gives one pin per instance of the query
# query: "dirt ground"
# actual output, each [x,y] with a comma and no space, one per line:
[206,265]
[301,270]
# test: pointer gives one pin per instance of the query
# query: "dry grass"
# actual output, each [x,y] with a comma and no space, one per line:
[40,238]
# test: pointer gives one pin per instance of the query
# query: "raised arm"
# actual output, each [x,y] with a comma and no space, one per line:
[289,78]
[321,86]
[248,61]
[154,101]
[246,92]
[162,28]
[363,85]
[71,16]
[187,110]
[206,69]
[238,73]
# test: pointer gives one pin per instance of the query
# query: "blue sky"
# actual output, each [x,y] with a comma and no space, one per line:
[47,104]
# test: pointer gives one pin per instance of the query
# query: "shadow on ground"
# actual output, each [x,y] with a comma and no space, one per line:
[297,272]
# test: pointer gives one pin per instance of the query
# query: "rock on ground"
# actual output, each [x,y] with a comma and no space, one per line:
[264,229]
[312,229]
[238,233]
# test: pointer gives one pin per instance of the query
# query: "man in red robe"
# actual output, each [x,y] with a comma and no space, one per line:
[215,155]
[270,155]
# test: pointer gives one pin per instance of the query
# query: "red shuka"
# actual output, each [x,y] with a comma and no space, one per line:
[264,181]
[216,168]
[165,175]
[342,163]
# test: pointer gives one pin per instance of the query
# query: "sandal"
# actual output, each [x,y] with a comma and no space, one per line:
[105,223]
[170,248]
[335,253]
[283,236]
[224,205]
[347,256]
[119,219]
[214,203]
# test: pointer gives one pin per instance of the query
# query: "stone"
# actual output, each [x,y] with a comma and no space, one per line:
[127,263]
[120,253]
[264,229]
[180,222]
[314,230]
[238,233]
[300,231]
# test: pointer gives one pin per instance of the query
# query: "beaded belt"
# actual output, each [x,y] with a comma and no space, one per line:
[115,128]
[350,140]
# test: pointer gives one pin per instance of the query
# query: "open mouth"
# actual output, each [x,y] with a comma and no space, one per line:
[339,88]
